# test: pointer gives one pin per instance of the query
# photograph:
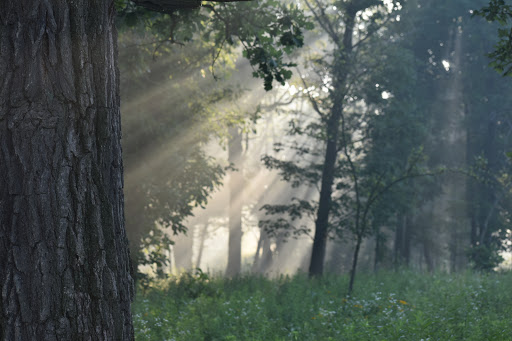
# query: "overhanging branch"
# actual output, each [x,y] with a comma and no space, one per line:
[169,6]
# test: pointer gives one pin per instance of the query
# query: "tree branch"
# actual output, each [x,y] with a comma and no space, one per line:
[169,6]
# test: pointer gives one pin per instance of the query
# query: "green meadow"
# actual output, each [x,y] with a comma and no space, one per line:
[387,306]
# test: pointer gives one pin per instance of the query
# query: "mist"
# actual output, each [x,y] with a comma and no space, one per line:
[215,163]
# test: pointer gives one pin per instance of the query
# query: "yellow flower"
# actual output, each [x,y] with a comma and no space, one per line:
[403,302]
[358,306]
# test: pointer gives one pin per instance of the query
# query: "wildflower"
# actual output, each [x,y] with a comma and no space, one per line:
[403,302]
[358,306]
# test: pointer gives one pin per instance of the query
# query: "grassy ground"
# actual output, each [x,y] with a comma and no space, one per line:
[388,306]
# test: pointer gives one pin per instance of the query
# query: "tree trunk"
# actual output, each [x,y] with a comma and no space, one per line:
[379,249]
[256,261]
[235,204]
[316,266]
[182,249]
[202,239]
[354,263]
[403,237]
[64,263]
[341,69]
[398,241]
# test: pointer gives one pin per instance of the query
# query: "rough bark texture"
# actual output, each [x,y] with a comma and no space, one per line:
[236,184]
[64,264]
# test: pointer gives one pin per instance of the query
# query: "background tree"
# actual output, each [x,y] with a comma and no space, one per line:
[338,76]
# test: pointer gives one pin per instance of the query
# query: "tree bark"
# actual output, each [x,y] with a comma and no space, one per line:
[236,184]
[316,266]
[64,262]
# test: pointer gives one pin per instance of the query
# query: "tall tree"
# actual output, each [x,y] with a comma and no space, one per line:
[333,93]
[64,265]
[236,190]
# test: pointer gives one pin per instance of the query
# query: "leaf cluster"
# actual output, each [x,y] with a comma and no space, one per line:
[499,11]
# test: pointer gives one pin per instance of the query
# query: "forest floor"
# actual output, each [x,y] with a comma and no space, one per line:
[389,306]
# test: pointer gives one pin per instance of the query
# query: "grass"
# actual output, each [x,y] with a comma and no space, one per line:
[387,306]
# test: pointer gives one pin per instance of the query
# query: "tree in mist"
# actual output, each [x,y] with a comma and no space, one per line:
[157,190]
[244,118]
[460,216]
[338,75]
[236,192]
[470,130]
[165,126]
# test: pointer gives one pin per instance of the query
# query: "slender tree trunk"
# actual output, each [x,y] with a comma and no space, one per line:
[426,238]
[64,263]
[378,249]
[399,236]
[341,69]
[236,185]
[428,256]
[408,225]
[256,262]
[354,263]
[201,245]
[322,221]
[403,238]
[183,250]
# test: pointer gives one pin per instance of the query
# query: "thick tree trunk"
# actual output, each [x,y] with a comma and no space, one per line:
[64,263]
[236,185]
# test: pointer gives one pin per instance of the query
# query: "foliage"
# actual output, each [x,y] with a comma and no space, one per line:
[485,257]
[386,306]
[499,11]
[153,250]
[168,173]
[268,30]
[160,194]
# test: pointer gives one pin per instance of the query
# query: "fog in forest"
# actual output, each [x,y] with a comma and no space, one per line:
[224,176]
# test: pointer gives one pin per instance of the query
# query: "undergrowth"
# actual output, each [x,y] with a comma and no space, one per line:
[387,306]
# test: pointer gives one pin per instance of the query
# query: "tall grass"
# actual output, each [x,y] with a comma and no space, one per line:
[388,306]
